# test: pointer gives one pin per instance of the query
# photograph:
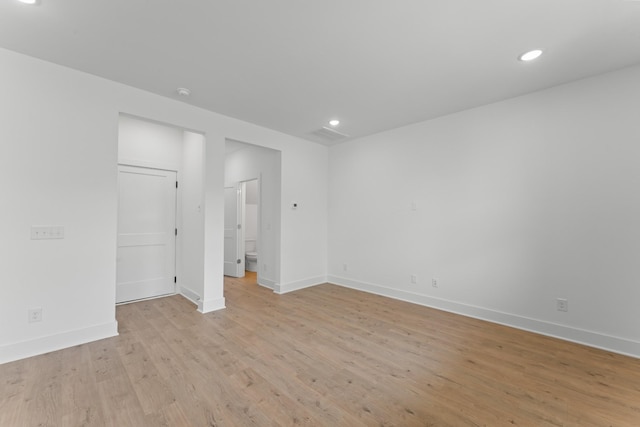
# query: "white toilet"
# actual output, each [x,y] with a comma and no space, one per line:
[250,255]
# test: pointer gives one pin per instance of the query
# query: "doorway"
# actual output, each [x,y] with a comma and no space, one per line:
[257,170]
[234,230]
[241,228]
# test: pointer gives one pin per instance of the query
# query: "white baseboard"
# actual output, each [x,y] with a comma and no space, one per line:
[592,339]
[270,284]
[42,345]
[300,284]
[211,305]
[190,295]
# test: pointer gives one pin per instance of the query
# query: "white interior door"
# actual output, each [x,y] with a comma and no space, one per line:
[233,232]
[146,233]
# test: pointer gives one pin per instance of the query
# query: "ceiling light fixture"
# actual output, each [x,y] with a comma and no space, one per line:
[28,1]
[334,122]
[183,91]
[531,55]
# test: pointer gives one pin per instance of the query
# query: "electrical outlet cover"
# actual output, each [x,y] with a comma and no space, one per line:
[562,304]
[35,315]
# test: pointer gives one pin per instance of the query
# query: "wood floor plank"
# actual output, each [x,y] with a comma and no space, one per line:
[322,356]
[77,403]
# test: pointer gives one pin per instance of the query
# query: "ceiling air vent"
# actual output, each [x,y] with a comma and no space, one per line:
[327,135]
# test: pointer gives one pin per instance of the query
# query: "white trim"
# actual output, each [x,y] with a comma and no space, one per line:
[190,295]
[614,344]
[133,301]
[211,305]
[269,284]
[148,165]
[300,284]
[46,344]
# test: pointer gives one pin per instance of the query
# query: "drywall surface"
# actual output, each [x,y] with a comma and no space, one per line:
[58,162]
[304,229]
[147,144]
[59,157]
[509,206]
[191,228]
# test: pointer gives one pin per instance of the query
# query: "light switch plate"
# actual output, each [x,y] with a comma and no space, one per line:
[47,232]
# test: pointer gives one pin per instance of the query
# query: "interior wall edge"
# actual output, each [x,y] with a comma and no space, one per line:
[208,306]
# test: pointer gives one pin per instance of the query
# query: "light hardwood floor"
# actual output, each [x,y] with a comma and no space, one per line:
[324,356]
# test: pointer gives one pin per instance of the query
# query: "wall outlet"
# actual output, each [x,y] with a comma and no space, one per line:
[434,282]
[345,267]
[35,314]
[414,279]
[264,267]
[562,304]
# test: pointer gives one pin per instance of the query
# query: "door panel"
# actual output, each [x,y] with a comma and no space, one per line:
[146,233]
[233,233]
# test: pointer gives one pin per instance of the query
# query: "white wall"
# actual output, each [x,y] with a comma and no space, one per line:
[304,230]
[251,221]
[147,144]
[252,192]
[58,158]
[190,234]
[251,210]
[58,165]
[517,203]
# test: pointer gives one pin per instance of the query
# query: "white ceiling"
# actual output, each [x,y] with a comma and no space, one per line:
[291,65]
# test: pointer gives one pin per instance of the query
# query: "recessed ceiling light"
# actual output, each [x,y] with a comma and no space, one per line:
[334,122]
[183,91]
[531,55]
[28,1]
